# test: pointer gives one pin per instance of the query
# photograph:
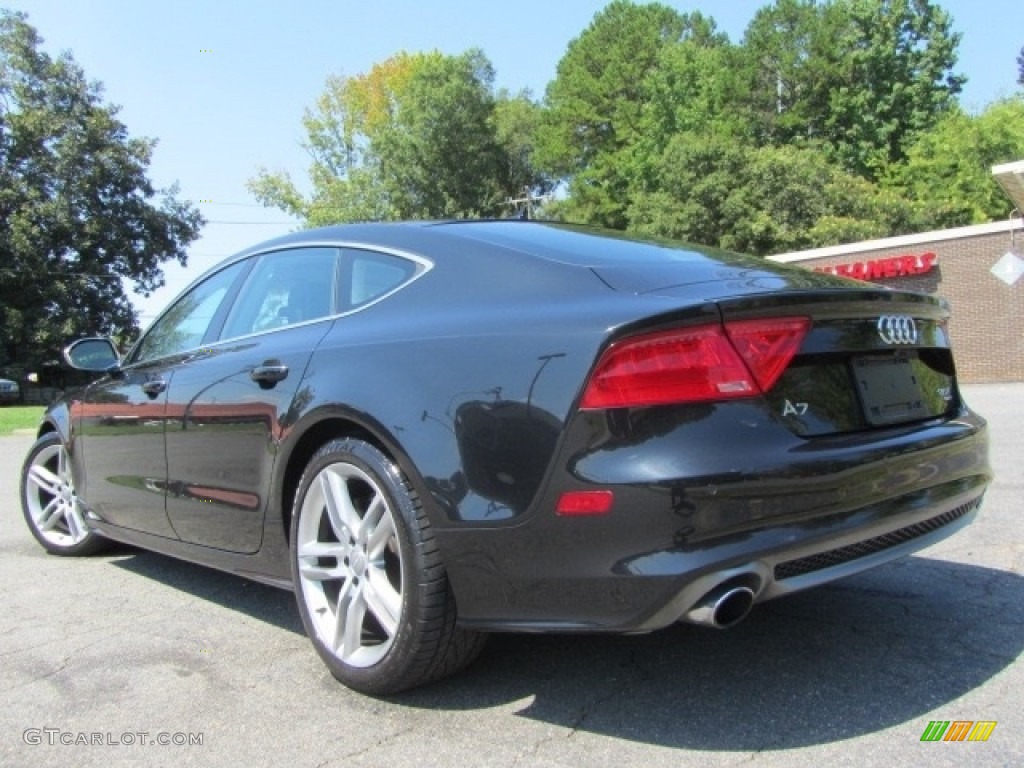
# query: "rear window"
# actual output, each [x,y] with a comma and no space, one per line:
[582,246]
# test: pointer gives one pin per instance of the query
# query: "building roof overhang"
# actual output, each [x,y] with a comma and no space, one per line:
[1010,177]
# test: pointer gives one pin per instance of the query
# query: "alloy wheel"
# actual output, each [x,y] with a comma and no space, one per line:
[50,499]
[350,564]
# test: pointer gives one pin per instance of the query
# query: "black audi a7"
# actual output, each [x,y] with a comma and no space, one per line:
[430,431]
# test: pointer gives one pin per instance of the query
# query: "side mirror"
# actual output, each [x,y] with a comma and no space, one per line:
[93,354]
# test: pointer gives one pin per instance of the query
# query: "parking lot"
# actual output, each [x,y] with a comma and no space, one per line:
[102,659]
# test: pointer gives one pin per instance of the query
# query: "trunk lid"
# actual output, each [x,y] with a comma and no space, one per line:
[872,359]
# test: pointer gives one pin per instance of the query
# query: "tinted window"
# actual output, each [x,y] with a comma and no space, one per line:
[285,288]
[579,245]
[370,275]
[184,325]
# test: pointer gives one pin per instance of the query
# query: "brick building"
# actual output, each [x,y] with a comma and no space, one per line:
[979,270]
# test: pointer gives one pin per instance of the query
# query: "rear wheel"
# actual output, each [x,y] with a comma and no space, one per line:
[369,580]
[50,504]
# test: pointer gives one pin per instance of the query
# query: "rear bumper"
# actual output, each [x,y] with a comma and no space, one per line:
[816,511]
[857,542]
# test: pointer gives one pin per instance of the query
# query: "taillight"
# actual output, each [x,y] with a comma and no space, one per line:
[768,344]
[708,362]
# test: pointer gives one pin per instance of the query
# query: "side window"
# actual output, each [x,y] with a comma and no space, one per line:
[285,288]
[371,275]
[184,325]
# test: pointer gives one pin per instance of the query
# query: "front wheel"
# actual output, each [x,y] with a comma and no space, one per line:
[50,504]
[371,587]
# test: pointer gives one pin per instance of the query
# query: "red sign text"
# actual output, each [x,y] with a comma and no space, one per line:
[880,269]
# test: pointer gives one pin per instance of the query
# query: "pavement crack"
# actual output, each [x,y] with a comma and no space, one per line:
[45,676]
[528,755]
[57,670]
[394,736]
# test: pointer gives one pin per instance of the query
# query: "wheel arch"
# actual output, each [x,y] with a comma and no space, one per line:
[330,425]
[56,419]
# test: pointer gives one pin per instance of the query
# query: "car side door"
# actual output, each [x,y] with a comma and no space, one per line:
[121,419]
[228,403]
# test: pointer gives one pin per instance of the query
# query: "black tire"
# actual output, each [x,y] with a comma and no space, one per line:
[49,503]
[369,581]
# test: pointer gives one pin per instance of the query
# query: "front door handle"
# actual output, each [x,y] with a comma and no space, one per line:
[268,374]
[154,387]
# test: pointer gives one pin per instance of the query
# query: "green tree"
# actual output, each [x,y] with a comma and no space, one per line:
[419,136]
[1020,67]
[517,120]
[79,215]
[595,104]
[723,192]
[866,77]
[948,171]
[789,61]
[695,89]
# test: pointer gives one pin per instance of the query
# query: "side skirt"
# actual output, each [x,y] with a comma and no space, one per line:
[257,567]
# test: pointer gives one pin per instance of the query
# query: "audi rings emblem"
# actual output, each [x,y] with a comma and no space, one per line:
[897,329]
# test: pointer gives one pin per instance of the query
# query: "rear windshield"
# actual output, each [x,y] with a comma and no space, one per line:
[582,246]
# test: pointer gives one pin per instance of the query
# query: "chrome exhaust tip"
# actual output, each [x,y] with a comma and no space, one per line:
[722,608]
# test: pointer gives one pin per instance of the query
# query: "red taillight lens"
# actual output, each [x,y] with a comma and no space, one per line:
[696,364]
[768,344]
[678,366]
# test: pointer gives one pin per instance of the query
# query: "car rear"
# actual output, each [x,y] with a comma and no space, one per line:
[740,448]
[847,444]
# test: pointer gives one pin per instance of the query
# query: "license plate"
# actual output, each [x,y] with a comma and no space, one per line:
[889,390]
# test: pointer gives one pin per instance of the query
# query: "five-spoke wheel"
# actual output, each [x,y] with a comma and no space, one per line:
[49,503]
[350,564]
[370,584]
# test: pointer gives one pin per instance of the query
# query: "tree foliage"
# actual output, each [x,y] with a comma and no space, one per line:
[864,76]
[657,122]
[419,136]
[79,215]
[948,169]
[595,105]
[760,200]
[830,121]
[517,121]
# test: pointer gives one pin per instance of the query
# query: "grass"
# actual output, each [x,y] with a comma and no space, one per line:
[14,417]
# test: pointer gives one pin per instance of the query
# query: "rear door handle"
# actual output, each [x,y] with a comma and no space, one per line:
[268,374]
[154,387]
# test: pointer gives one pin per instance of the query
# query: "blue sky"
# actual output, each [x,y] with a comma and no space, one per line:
[220,115]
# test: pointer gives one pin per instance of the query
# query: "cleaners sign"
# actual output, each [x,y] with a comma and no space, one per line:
[880,269]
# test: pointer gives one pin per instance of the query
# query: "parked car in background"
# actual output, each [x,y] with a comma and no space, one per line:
[430,431]
[10,392]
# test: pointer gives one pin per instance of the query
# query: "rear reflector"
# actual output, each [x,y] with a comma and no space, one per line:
[701,363]
[584,503]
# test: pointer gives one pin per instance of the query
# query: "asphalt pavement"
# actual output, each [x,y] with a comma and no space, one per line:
[133,658]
